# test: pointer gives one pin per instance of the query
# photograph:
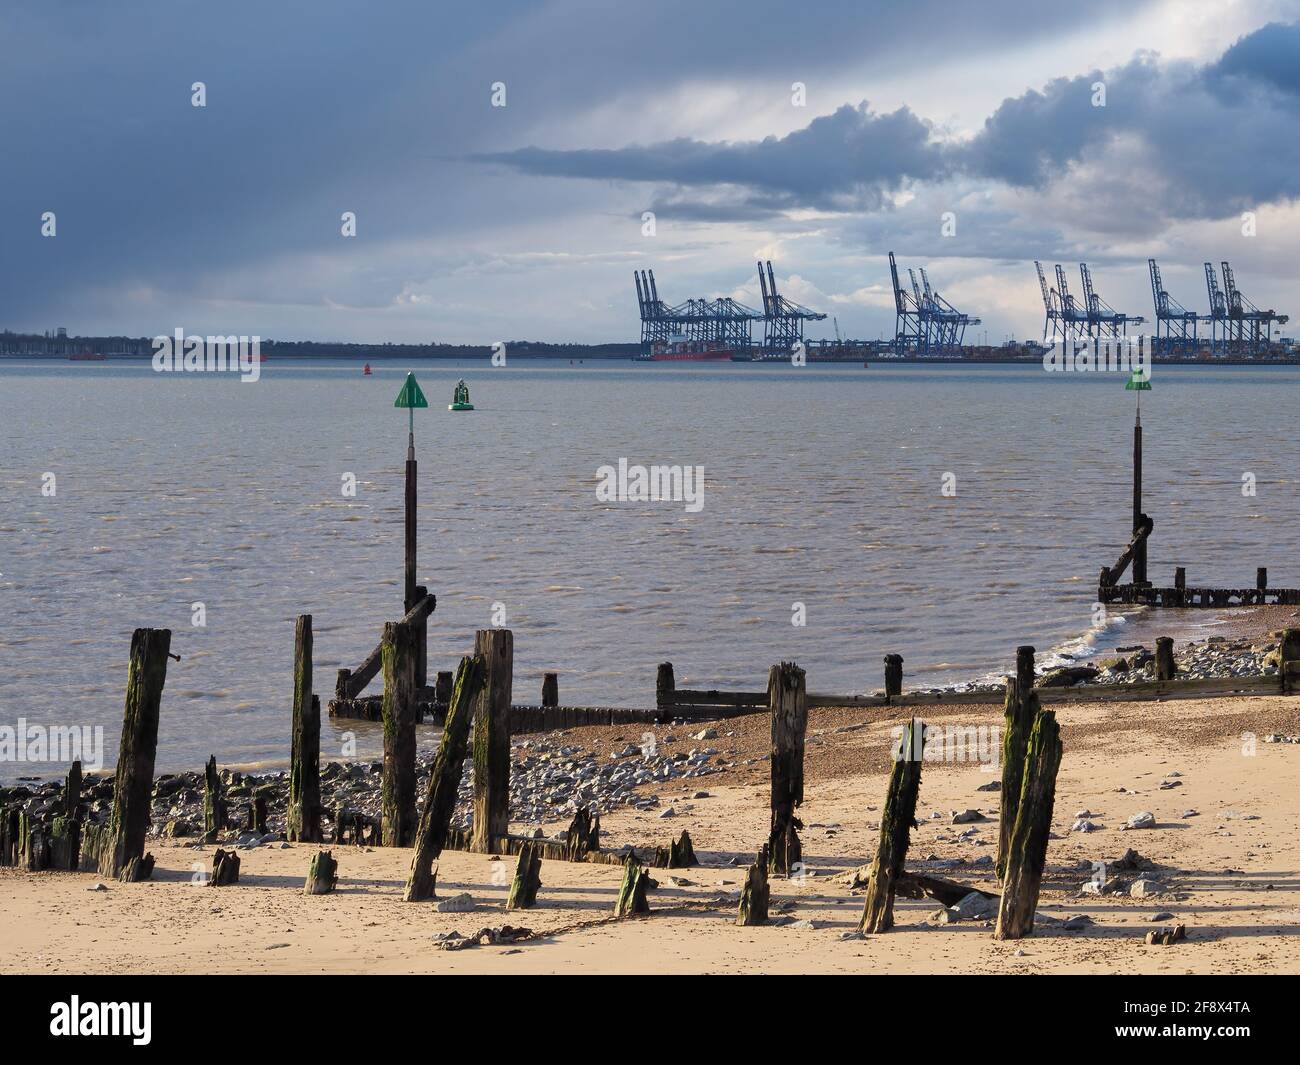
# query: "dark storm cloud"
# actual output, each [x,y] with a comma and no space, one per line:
[847,158]
[1218,139]
[361,106]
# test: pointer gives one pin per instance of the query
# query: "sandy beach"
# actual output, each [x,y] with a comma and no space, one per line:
[1229,872]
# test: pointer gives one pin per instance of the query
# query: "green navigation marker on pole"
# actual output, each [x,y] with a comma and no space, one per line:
[1138,382]
[410,397]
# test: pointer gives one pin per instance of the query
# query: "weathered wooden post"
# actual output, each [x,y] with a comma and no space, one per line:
[72,791]
[1261,581]
[631,894]
[1288,665]
[397,784]
[1018,719]
[893,676]
[1028,851]
[1165,668]
[214,801]
[1139,548]
[896,824]
[302,820]
[444,781]
[754,896]
[550,690]
[442,687]
[257,813]
[322,876]
[123,855]
[665,686]
[787,703]
[1025,669]
[496,648]
[528,878]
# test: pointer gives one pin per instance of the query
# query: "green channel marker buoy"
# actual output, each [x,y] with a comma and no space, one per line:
[460,397]
[1139,382]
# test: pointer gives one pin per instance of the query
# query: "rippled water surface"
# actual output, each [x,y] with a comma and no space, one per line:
[822,487]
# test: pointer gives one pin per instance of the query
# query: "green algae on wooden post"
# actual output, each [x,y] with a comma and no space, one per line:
[787,703]
[322,876]
[496,647]
[1019,711]
[397,787]
[631,894]
[528,878]
[756,893]
[133,786]
[444,781]
[303,817]
[896,824]
[1027,853]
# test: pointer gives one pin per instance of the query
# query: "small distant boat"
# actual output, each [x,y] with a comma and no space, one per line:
[366,371]
[460,397]
[87,356]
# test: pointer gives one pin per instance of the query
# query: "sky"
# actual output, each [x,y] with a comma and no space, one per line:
[476,222]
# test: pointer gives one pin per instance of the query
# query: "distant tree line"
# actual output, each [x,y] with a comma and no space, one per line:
[44,344]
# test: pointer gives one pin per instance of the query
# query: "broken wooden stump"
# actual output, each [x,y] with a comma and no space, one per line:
[71,800]
[302,819]
[257,813]
[444,781]
[896,824]
[1027,852]
[215,817]
[496,649]
[754,896]
[523,890]
[679,854]
[322,876]
[397,786]
[1165,667]
[631,895]
[787,703]
[583,835]
[1166,937]
[137,869]
[225,869]
[133,787]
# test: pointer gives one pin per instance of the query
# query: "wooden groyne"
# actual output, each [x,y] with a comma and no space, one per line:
[1141,592]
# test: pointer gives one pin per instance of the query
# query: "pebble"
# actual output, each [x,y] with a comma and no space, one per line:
[1145,819]
[462,903]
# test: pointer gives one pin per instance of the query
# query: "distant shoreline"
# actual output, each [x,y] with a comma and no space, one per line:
[909,360]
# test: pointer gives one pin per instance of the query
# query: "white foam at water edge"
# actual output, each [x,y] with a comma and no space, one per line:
[1099,638]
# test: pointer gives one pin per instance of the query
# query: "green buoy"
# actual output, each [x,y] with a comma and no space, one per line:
[460,397]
